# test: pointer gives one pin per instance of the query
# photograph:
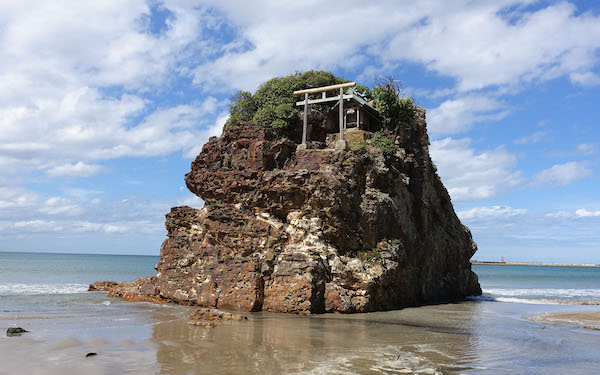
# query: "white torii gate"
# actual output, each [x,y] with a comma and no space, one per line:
[324,99]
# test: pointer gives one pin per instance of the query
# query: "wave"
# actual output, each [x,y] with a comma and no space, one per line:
[543,296]
[41,289]
[544,292]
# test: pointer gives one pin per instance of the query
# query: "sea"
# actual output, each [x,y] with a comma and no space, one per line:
[505,330]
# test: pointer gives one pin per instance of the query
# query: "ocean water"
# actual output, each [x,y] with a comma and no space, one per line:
[493,334]
[41,273]
[539,285]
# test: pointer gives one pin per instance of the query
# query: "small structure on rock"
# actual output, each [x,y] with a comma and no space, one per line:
[356,113]
[359,113]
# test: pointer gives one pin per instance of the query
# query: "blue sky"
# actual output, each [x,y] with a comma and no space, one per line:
[103,106]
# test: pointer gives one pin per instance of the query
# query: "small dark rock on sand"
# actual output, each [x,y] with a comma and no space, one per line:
[16,331]
[90,355]
[216,315]
[207,318]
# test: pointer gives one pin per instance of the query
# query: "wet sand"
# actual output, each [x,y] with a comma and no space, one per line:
[465,338]
[589,320]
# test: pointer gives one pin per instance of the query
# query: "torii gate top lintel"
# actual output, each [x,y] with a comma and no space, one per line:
[323,99]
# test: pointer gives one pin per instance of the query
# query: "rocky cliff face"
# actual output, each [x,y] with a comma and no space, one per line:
[312,231]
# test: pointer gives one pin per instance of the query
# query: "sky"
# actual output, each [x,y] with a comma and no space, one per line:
[104,104]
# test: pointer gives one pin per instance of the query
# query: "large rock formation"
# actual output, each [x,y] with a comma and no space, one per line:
[312,231]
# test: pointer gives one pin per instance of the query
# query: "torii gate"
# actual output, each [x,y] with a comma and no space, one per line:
[340,144]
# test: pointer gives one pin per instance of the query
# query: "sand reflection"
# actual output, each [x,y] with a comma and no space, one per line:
[433,337]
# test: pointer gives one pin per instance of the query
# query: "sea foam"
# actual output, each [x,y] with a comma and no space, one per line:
[40,289]
[545,296]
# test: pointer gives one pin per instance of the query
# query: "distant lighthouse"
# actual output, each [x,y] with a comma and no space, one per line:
[501,259]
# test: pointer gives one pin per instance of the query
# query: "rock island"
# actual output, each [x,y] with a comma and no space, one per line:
[320,196]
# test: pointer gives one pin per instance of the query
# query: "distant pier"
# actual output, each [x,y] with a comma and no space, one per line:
[538,264]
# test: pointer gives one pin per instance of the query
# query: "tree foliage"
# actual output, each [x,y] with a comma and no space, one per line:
[393,107]
[273,104]
[241,107]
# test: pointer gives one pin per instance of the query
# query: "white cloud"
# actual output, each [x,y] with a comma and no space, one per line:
[74,75]
[491,211]
[559,214]
[214,131]
[79,227]
[192,201]
[117,227]
[84,82]
[586,79]
[36,226]
[12,198]
[536,236]
[18,203]
[480,44]
[79,169]
[73,79]
[562,174]
[59,205]
[533,138]
[587,148]
[471,175]
[457,115]
[586,213]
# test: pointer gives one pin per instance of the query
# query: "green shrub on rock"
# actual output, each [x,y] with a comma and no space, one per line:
[393,107]
[273,104]
[242,107]
[384,144]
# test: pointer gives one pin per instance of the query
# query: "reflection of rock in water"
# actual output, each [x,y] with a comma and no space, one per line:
[437,337]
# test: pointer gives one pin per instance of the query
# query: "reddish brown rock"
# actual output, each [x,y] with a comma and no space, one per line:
[310,231]
[217,315]
[104,286]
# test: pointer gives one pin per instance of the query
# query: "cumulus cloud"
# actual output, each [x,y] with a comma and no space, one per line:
[79,227]
[534,236]
[491,211]
[213,131]
[25,212]
[79,169]
[586,213]
[562,174]
[18,203]
[586,79]
[37,226]
[192,201]
[457,115]
[533,138]
[471,175]
[74,78]
[85,82]
[587,148]
[480,44]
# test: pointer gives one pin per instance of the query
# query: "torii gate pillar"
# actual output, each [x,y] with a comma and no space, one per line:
[341,144]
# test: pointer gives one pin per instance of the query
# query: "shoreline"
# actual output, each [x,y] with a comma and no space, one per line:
[535,264]
[132,338]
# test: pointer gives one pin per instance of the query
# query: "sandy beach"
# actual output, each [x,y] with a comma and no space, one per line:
[469,337]
[525,323]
